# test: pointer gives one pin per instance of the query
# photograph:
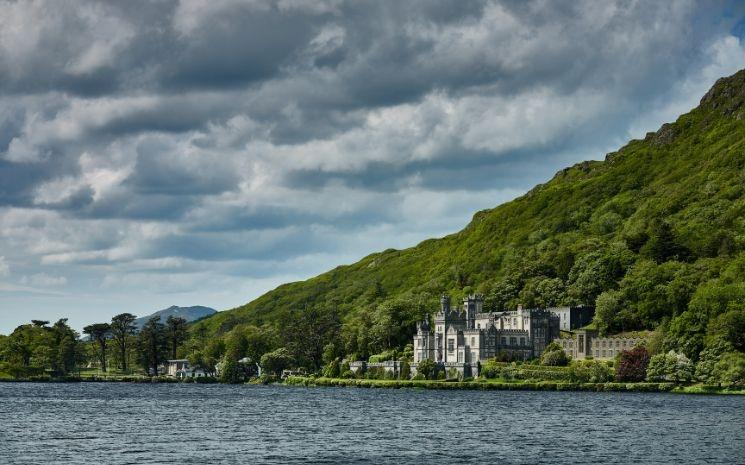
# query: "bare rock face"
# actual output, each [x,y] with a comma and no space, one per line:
[727,96]
[665,135]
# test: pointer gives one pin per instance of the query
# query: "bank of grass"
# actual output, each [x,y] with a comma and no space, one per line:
[96,376]
[498,385]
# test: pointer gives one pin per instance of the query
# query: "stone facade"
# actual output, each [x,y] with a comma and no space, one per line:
[571,318]
[585,343]
[467,335]
[392,367]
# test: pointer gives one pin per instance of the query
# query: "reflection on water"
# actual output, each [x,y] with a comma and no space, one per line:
[171,423]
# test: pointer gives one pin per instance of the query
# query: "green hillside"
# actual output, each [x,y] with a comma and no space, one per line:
[654,235]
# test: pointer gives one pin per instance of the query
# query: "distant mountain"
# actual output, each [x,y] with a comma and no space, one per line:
[188,313]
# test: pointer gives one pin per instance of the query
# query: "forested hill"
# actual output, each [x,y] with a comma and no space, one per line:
[654,234]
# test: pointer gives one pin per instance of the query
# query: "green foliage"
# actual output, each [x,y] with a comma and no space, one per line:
[99,332]
[671,366]
[230,372]
[333,369]
[122,332]
[405,370]
[591,371]
[276,361]
[427,368]
[655,235]
[176,333]
[729,326]
[554,355]
[152,345]
[709,357]
[36,349]
[730,369]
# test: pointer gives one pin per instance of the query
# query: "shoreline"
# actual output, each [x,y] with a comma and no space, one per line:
[321,382]
[695,389]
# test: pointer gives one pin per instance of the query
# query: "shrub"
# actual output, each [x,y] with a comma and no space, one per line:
[333,369]
[427,368]
[730,369]
[671,366]
[591,371]
[709,357]
[554,356]
[383,356]
[276,361]
[632,365]
[490,369]
[405,370]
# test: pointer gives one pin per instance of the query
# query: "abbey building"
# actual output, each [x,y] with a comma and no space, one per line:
[467,335]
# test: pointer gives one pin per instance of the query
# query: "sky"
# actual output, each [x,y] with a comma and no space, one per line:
[203,152]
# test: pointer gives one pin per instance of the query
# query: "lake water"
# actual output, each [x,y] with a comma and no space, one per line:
[208,424]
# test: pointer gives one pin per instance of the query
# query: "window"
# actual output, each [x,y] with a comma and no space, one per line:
[581,343]
[603,353]
[418,342]
[522,341]
[504,341]
[618,343]
[478,325]
[460,356]
[514,322]
[513,341]
[473,356]
[473,341]
[597,353]
[451,345]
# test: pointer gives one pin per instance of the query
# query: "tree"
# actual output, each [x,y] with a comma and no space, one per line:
[122,329]
[66,351]
[662,245]
[259,340]
[543,292]
[671,366]
[276,361]
[607,307]
[176,333]
[99,332]
[632,365]
[405,370]
[729,326]
[730,369]
[307,332]
[709,357]
[230,371]
[152,345]
[332,369]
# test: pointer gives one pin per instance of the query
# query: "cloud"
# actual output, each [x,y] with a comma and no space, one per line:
[44,280]
[217,148]
[4,267]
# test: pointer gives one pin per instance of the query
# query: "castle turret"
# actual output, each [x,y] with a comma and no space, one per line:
[472,305]
[423,341]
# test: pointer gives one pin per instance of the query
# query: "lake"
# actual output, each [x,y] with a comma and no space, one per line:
[117,423]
